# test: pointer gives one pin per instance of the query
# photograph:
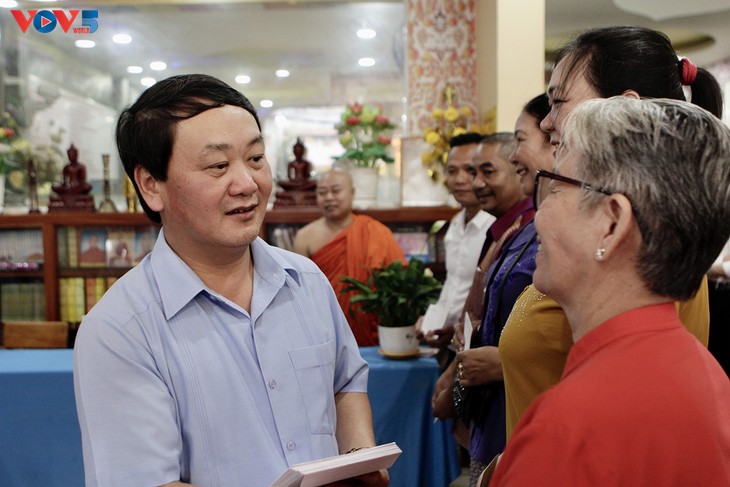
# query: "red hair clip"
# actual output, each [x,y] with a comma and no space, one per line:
[689,71]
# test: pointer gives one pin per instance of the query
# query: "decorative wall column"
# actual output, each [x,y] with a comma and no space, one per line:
[491,52]
[441,42]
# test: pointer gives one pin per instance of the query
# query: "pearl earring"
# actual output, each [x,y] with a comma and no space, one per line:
[599,253]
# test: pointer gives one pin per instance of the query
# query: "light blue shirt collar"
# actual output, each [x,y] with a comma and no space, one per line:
[179,285]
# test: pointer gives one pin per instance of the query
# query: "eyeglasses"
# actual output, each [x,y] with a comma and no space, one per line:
[542,189]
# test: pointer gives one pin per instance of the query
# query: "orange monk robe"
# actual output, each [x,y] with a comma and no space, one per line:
[364,245]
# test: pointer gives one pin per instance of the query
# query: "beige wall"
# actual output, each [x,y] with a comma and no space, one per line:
[511,57]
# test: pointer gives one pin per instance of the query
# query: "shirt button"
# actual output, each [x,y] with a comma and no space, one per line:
[272,384]
[291,446]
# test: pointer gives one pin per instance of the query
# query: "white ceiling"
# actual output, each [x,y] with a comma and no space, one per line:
[315,40]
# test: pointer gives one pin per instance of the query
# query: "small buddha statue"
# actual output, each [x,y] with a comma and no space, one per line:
[299,170]
[72,193]
[74,175]
[299,189]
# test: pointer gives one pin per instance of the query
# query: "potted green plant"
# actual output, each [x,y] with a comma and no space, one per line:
[397,295]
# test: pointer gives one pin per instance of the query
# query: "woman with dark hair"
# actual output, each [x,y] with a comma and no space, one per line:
[533,150]
[629,61]
[478,369]
[616,61]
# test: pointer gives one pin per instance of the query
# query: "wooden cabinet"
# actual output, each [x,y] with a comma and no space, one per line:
[60,237]
[63,256]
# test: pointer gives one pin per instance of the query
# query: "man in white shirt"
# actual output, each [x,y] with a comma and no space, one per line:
[463,240]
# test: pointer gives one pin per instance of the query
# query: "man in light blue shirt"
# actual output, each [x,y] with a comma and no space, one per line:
[218,360]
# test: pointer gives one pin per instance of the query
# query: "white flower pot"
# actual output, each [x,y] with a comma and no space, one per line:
[400,341]
[365,180]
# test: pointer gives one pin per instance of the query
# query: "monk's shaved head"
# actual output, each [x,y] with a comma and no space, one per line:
[335,174]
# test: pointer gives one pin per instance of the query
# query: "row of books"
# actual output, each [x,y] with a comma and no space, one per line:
[282,236]
[22,301]
[21,249]
[104,247]
[77,295]
[417,241]
[425,243]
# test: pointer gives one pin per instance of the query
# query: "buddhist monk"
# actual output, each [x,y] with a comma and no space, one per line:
[342,243]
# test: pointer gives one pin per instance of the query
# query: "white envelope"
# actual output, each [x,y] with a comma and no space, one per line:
[467,331]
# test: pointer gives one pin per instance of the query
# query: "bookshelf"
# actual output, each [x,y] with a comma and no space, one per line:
[404,220]
[50,258]
[49,267]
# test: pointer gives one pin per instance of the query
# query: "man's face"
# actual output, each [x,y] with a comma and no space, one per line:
[495,182]
[458,179]
[335,194]
[218,184]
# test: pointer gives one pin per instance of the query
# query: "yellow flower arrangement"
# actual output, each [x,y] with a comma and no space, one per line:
[448,123]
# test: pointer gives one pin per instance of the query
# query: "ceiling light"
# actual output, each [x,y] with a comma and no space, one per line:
[158,66]
[282,73]
[148,81]
[242,79]
[85,43]
[266,103]
[122,38]
[366,62]
[365,33]
[134,69]
[8,3]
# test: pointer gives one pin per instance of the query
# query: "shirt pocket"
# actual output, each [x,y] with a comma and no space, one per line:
[315,371]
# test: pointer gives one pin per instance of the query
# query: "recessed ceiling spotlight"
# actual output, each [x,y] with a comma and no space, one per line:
[158,66]
[242,79]
[366,62]
[282,73]
[148,82]
[122,38]
[85,44]
[365,33]
[134,69]
[266,103]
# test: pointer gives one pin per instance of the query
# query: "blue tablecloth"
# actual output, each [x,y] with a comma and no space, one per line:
[400,394]
[40,442]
